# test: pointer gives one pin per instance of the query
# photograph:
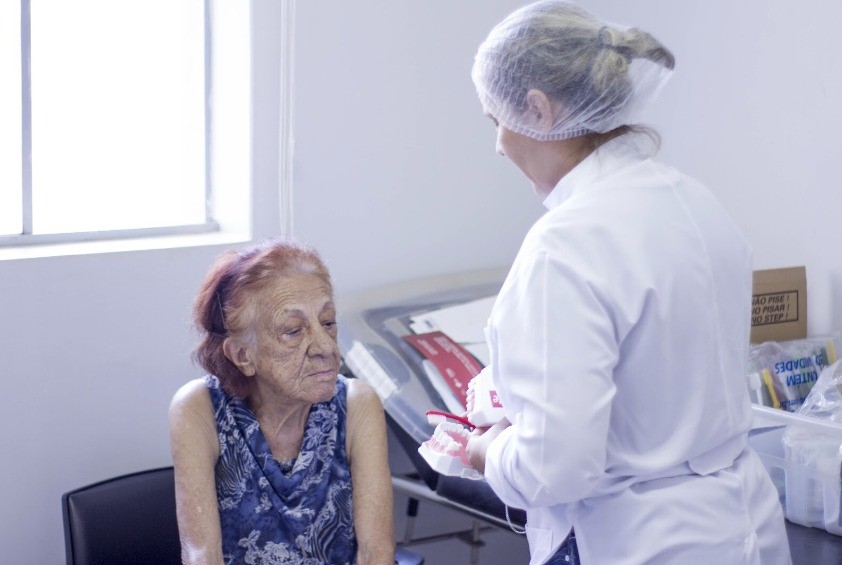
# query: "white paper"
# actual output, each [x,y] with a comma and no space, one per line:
[480,351]
[463,323]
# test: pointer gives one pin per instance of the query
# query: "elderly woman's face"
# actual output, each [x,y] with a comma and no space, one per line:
[296,355]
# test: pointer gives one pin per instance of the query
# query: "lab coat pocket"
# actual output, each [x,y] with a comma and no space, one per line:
[540,543]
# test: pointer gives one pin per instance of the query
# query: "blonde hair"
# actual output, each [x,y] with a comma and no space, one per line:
[598,75]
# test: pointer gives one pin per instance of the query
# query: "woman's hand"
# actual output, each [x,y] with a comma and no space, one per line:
[478,443]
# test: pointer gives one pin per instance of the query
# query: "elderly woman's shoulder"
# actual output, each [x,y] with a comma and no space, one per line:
[192,395]
[361,393]
[192,423]
[366,421]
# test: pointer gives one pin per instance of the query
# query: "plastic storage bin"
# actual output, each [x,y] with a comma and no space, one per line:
[802,456]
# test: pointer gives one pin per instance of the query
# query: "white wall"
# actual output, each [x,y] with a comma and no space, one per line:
[393,159]
[753,111]
[396,177]
[396,174]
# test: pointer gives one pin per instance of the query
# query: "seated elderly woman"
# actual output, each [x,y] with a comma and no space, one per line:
[278,459]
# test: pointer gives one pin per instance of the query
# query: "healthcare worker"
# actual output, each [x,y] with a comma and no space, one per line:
[619,339]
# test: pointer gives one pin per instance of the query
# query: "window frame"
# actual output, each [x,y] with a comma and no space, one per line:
[26,238]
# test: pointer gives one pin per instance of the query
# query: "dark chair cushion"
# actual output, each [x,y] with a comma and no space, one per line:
[128,520]
[479,496]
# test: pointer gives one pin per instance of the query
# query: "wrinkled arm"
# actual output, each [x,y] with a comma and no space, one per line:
[371,480]
[195,450]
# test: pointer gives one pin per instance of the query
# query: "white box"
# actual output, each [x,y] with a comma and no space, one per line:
[808,474]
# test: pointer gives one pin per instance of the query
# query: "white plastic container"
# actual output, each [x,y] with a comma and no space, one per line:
[484,406]
[802,456]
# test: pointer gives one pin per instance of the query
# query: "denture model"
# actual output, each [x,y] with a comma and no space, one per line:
[445,450]
[483,404]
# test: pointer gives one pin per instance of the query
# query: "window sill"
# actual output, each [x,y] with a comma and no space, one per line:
[37,251]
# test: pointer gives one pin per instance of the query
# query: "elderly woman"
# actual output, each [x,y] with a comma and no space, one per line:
[619,340]
[278,459]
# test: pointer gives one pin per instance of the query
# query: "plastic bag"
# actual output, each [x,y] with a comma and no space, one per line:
[813,453]
[782,373]
[825,399]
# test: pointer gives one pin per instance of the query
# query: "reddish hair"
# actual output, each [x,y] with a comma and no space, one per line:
[221,306]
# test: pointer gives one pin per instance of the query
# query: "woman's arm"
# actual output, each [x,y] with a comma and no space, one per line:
[371,479]
[555,349]
[195,450]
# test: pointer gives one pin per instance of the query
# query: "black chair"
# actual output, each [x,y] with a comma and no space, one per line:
[128,520]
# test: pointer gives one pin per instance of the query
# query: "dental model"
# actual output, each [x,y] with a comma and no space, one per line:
[445,450]
[483,404]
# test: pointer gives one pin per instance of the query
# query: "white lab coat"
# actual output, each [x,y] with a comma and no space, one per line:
[619,343]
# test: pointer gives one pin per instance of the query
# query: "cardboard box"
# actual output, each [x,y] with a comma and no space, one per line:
[779,305]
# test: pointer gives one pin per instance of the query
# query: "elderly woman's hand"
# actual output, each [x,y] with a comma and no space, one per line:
[478,443]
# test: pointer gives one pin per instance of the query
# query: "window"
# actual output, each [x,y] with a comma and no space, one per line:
[10,119]
[106,132]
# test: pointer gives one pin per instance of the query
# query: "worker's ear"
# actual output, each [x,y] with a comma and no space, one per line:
[239,354]
[539,110]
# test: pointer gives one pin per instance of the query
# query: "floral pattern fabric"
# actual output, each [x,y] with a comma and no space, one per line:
[272,512]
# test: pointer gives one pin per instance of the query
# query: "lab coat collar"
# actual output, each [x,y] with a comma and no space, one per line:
[607,158]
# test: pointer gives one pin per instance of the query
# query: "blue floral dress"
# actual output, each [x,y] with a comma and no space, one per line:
[298,511]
